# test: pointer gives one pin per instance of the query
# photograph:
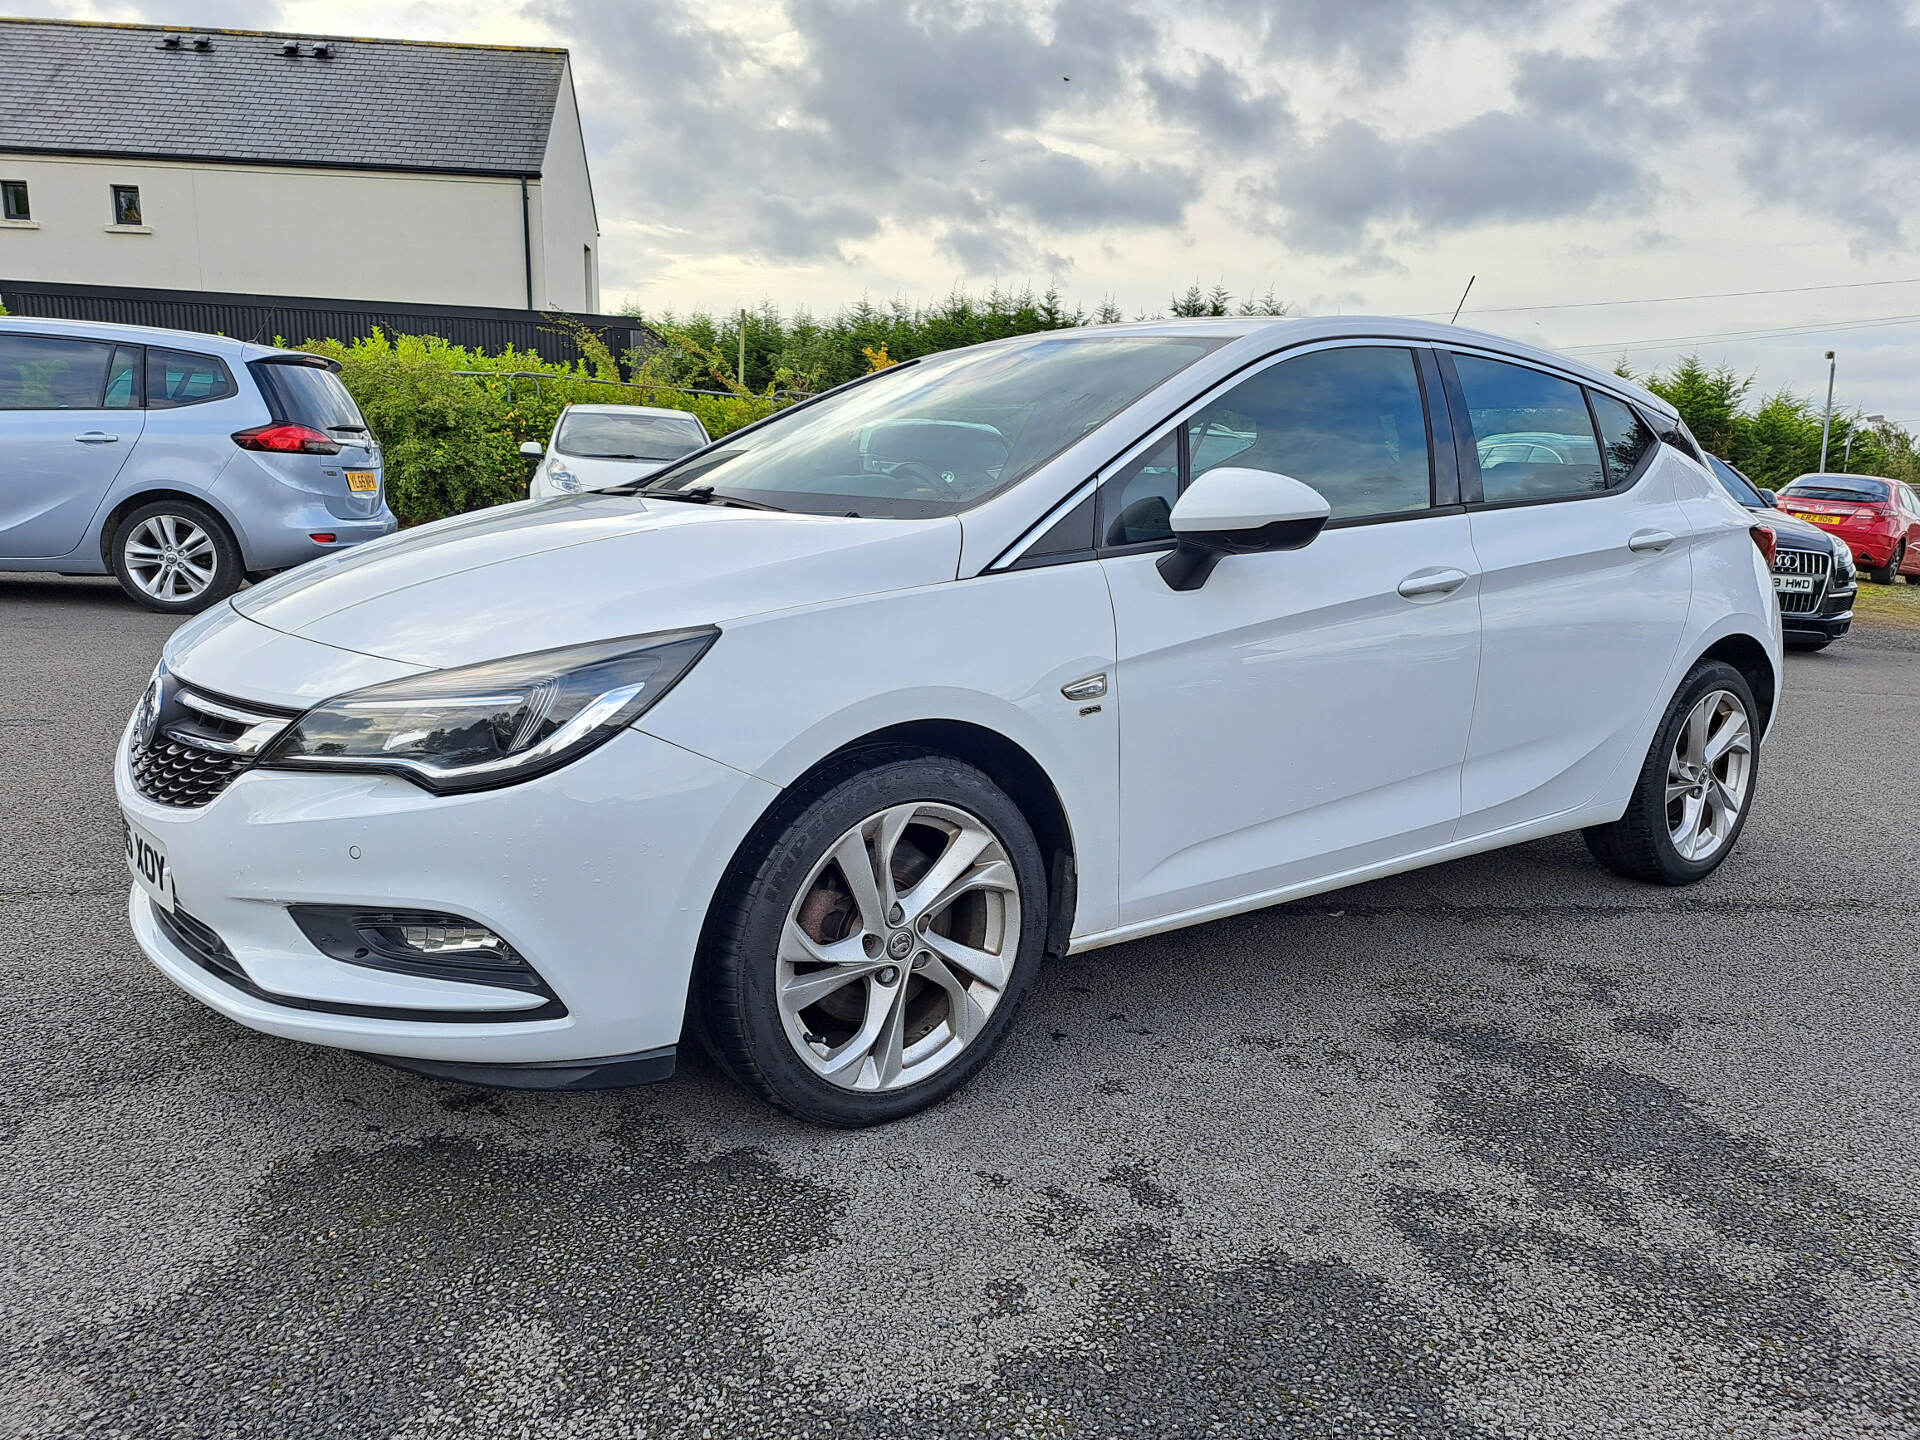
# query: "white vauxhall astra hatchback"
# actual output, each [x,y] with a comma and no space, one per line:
[816,744]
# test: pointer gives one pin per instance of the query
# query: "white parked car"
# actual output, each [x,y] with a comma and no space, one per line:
[817,745]
[596,445]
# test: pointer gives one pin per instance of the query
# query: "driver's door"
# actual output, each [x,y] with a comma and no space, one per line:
[1303,713]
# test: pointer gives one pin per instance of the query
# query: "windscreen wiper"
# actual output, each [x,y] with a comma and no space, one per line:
[702,495]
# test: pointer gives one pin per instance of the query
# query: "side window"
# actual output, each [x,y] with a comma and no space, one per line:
[1136,505]
[175,377]
[1532,431]
[1349,422]
[123,379]
[1623,434]
[39,372]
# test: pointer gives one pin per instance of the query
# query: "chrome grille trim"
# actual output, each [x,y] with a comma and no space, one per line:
[200,745]
[1812,563]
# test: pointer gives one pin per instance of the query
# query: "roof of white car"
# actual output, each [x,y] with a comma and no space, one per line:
[1296,329]
[194,340]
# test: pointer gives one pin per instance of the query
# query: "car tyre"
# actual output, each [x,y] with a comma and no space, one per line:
[1888,573]
[787,903]
[175,556]
[1646,843]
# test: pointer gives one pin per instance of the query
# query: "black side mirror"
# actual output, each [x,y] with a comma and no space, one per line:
[1772,499]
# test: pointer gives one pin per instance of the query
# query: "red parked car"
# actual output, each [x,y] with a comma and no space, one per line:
[1878,518]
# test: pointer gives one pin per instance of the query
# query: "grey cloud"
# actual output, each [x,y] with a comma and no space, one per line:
[1221,106]
[993,250]
[1499,166]
[1071,193]
[1375,36]
[882,117]
[1822,102]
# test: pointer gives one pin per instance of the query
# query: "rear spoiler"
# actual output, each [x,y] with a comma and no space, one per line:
[317,362]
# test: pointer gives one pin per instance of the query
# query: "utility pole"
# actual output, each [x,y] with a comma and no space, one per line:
[1846,464]
[741,373]
[1826,425]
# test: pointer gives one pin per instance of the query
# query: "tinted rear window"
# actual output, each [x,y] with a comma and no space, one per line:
[1860,492]
[307,395]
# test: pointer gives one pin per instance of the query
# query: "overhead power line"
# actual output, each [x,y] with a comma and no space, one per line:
[1814,328]
[1675,299]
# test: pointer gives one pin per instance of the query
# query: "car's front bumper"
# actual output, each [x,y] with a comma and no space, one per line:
[1817,627]
[599,874]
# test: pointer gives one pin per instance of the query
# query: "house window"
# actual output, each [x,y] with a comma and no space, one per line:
[13,200]
[126,205]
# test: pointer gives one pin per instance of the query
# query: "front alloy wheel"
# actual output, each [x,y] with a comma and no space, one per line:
[898,947]
[876,940]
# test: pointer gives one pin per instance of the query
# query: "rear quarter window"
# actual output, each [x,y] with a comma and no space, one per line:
[180,377]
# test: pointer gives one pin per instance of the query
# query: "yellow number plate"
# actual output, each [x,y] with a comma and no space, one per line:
[1829,519]
[363,480]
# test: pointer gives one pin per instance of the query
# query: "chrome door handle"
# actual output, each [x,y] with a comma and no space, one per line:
[95,437]
[1432,582]
[1642,541]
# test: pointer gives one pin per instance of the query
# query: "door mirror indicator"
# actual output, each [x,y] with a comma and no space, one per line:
[1231,511]
[532,448]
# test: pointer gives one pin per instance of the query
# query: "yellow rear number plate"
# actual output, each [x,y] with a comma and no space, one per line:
[363,480]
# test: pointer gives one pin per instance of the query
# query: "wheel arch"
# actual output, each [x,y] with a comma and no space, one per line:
[127,504]
[1749,656]
[1003,760]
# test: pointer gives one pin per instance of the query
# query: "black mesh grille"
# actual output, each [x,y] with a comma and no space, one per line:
[183,775]
[188,744]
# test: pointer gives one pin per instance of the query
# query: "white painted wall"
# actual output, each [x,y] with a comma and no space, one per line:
[568,227]
[347,234]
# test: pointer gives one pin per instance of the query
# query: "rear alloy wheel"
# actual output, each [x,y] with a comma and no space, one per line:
[175,557]
[876,957]
[1886,574]
[1696,787]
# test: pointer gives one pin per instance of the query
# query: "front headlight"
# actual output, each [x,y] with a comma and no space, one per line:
[562,478]
[482,726]
[1842,561]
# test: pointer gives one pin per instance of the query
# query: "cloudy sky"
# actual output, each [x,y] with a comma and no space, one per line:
[1588,162]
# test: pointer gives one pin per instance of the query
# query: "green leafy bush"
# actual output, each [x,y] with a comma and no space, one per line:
[1778,440]
[452,440]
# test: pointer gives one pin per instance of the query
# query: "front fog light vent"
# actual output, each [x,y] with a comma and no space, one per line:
[436,939]
[428,943]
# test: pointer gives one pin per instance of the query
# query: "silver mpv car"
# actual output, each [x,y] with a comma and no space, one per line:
[181,463]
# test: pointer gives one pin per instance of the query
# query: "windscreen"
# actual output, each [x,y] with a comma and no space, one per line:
[1732,482]
[1860,492]
[300,394]
[943,433]
[606,435]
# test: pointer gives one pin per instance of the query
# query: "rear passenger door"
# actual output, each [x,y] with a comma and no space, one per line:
[1586,581]
[1303,713]
[69,417]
